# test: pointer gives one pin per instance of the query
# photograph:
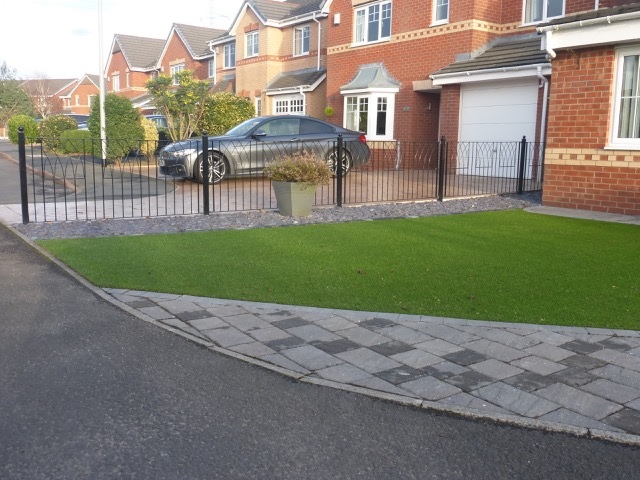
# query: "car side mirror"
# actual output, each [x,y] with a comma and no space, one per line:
[259,133]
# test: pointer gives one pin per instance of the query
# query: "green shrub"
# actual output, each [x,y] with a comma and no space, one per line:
[223,111]
[76,141]
[30,128]
[51,129]
[150,137]
[123,129]
[303,167]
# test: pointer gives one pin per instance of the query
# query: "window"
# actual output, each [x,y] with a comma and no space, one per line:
[626,121]
[440,11]
[230,55]
[211,71]
[301,40]
[289,105]
[371,114]
[175,69]
[77,99]
[258,106]
[541,10]
[373,23]
[92,100]
[252,44]
[115,83]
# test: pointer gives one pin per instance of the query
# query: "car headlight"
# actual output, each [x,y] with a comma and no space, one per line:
[187,152]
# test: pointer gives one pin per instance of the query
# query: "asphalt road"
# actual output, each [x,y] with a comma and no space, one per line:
[89,392]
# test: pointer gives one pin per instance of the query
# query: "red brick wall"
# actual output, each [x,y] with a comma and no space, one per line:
[177,52]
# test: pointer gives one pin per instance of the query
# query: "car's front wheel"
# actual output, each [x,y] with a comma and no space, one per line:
[333,162]
[218,168]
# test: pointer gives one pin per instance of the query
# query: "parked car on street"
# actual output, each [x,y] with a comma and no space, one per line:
[80,119]
[249,146]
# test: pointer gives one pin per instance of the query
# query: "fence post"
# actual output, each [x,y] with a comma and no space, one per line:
[442,167]
[22,162]
[205,173]
[521,164]
[338,166]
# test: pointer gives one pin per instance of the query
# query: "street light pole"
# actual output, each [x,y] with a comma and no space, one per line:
[103,123]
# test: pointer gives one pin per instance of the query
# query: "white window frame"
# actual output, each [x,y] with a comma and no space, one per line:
[368,16]
[174,70]
[258,106]
[527,6]
[617,141]
[301,40]
[230,56]
[211,69]
[438,4]
[289,105]
[375,101]
[253,44]
[115,82]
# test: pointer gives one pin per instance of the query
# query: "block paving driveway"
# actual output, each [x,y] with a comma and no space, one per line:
[580,377]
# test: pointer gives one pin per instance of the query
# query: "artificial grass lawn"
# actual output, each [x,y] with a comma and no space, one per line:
[509,266]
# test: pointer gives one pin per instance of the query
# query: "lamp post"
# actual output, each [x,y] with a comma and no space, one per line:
[103,123]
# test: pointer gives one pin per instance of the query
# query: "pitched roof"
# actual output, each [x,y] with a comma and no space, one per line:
[602,13]
[279,10]
[227,84]
[501,53]
[141,53]
[49,86]
[196,39]
[374,75]
[298,78]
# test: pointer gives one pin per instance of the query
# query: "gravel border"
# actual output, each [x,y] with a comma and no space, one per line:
[271,218]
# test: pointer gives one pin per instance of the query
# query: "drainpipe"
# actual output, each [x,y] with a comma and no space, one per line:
[304,99]
[319,34]
[545,94]
[547,45]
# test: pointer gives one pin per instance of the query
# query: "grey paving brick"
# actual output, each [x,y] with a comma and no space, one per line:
[529,381]
[447,333]
[582,361]
[157,313]
[368,360]
[578,401]
[391,348]
[376,323]
[310,357]
[465,357]
[343,373]
[438,347]
[335,323]
[444,370]
[618,358]
[416,358]
[363,336]
[464,399]
[226,310]
[574,376]
[619,375]
[254,349]
[538,365]
[552,338]
[289,323]
[515,400]
[284,362]
[469,381]
[192,315]
[567,417]
[615,392]
[626,419]
[581,346]
[246,322]
[336,346]
[140,303]
[376,383]
[207,323]
[550,352]
[495,350]
[185,327]
[634,404]
[179,306]
[619,343]
[430,388]
[227,336]
[400,374]
[496,369]
[313,333]
[404,334]
[281,344]
[269,334]
[508,338]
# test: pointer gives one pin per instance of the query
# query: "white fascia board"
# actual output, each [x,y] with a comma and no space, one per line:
[292,90]
[360,91]
[595,34]
[491,75]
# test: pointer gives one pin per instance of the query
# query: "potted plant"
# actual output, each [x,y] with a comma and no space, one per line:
[294,179]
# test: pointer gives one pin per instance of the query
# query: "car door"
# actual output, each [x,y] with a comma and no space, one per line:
[274,138]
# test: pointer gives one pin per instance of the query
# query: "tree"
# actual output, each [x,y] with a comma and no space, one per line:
[13,99]
[183,104]
[44,102]
[223,111]
[52,128]
[122,123]
[30,128]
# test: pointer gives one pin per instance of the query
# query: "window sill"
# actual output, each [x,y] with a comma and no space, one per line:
[439,23]
[622,146]
[305,54]
[364,44]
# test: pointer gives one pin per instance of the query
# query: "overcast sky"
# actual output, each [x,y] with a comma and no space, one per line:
[59,38]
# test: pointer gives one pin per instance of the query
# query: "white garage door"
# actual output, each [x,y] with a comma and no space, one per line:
[494,112]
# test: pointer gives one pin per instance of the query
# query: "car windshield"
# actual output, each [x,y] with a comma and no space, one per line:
[244,127]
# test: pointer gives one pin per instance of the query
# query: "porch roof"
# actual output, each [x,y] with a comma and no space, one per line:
[372,76]
[308,79]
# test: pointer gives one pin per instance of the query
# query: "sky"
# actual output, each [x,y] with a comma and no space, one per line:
[60,38]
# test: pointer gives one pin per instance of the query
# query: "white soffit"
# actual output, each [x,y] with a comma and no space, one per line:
[595,34]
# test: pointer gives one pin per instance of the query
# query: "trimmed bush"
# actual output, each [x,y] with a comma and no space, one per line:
[150,137]
[223,111]
[76,141]
[51,129]
[30,128]
[122,124]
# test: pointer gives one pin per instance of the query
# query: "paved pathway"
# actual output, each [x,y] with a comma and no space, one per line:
[547,377]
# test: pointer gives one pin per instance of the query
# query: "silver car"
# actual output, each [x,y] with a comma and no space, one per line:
[248,147]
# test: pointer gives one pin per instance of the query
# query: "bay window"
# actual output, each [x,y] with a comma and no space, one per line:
[371,113]
[626,121]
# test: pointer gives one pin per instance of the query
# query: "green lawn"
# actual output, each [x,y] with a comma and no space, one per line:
[509,266]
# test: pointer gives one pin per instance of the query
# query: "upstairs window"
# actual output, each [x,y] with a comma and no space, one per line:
[211,70]
[440,11]
[175,69]
[230,55]
[541,10]
[626,115]
[301,40]
[115,83]
[252,44]
[373,23]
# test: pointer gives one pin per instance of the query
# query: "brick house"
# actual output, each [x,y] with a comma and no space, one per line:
[280,56]
[50,95]
[592,159]
[80,97]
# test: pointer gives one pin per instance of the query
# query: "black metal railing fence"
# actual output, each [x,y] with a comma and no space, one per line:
[79,184]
